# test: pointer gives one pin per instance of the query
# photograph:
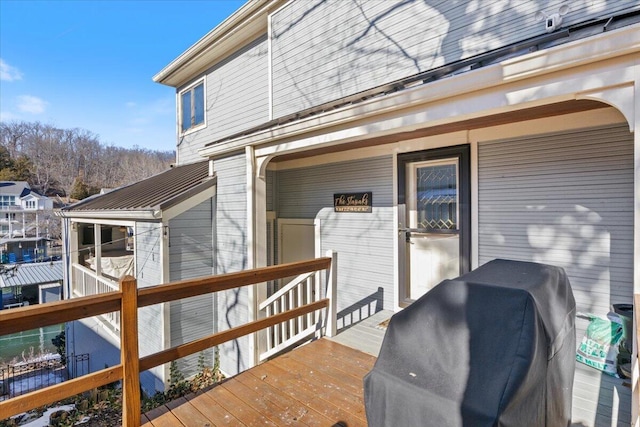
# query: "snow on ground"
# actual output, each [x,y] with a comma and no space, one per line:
[43,421]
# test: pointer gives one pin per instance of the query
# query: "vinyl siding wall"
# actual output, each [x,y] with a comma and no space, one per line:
[190,256]
[567,199]
[231,256]
[326,49]
[150,319]
[363,241]
[237,98]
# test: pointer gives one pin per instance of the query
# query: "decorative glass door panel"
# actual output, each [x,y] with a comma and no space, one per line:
[433,232]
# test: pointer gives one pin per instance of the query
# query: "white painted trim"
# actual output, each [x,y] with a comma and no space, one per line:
[243,26]
[573,121]
[252,294]
[112,215]
[165,308]
[178,140]
[506,86]
[189,203]
[635,393]
[397,275]
[103,222]
[50,285]
[417,144]
[475,221]
[192,86]
[270,67]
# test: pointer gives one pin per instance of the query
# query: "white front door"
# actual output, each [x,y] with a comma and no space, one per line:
[431,219]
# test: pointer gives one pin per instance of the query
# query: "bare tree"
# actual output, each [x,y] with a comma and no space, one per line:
[61,156]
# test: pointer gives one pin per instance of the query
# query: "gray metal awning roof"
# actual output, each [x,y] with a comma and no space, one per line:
[37,273]
[149,197]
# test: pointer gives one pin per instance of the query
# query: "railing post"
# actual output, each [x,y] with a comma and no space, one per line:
[332,287]
[129,357]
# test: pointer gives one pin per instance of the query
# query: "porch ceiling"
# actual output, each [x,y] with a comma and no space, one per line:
[533,113]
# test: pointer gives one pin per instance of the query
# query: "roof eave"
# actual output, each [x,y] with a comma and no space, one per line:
[241,27]
[140,214]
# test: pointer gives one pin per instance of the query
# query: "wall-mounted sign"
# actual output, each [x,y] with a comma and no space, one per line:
[353,202]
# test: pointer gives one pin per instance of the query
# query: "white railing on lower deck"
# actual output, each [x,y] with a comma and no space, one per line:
[304,289]
[86,282]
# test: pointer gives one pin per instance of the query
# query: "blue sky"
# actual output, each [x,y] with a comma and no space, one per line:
[89,64]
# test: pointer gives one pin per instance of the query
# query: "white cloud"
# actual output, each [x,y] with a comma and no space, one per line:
[31,104]
[9,73]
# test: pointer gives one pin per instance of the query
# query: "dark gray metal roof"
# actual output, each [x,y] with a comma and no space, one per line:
[14,188]
[158,192]
[31,274]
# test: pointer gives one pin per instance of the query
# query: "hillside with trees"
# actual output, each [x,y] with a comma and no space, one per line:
[71,162]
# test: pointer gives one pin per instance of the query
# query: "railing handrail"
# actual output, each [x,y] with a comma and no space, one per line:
[127,300]
[110,283]
[194,287]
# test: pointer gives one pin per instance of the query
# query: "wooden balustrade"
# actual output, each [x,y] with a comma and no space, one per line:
[127,301]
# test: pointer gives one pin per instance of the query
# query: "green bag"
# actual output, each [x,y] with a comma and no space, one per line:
[599,346]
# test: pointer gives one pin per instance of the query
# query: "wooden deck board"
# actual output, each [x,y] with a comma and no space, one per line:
[294,407]
[216,414]
[293,384]
[187,414]
[319,384]
[162,417]
[276,414]
[244,413]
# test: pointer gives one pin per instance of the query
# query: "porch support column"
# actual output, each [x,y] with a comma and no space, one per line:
[635,126]
[625,97]
[256,240]
[97,237]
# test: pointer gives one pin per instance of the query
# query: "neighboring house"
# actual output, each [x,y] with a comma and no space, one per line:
[28,284]
[24,221]
[419,140]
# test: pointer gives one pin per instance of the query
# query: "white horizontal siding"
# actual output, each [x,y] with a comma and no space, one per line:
[191,256]
[326,49]
[147,251]
[230,256]
[567,199]
[237,98]
[363,241]
[150,319]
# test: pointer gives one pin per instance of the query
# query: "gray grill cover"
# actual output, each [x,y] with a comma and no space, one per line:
[494,347]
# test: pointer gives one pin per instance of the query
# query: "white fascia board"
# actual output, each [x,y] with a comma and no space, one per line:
[149,214]
[617,43]
[241,27]
[116,222]
[187,204]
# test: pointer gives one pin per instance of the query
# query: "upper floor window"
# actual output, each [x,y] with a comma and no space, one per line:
[6,201]
[31,204]
[192,107]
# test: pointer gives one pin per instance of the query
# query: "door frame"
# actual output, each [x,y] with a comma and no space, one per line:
[463,155]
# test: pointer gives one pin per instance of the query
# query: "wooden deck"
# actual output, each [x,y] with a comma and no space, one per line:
[319,384]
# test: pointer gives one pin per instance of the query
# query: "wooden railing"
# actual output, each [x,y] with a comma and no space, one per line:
[302,290]
[127,300]
[85,282]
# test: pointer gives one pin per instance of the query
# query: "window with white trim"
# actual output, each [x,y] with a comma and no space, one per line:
[192,107]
